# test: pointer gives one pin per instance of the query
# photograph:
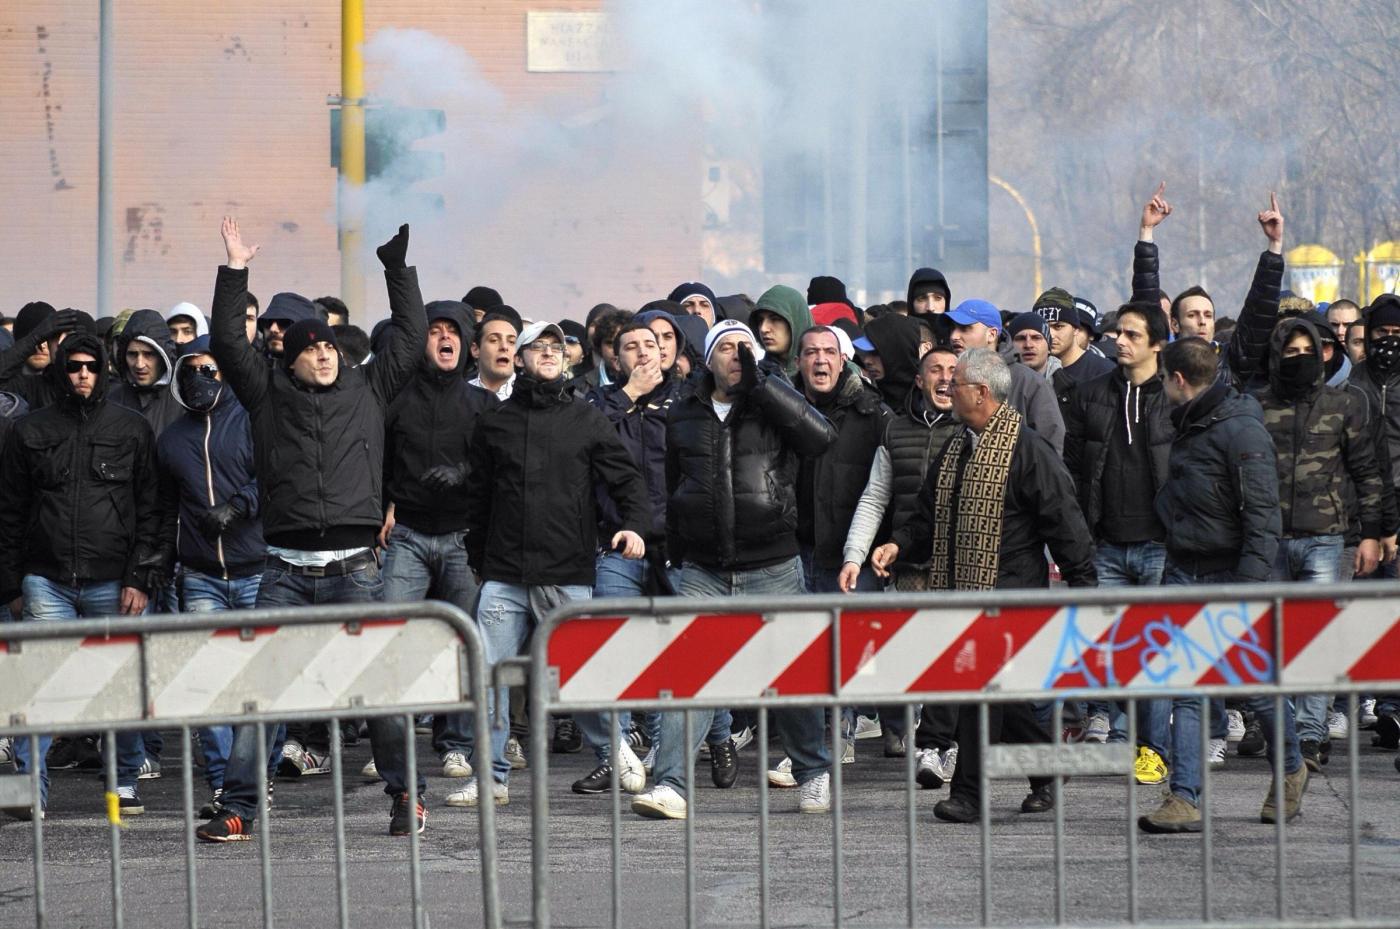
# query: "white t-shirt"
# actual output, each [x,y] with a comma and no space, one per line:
[722,409]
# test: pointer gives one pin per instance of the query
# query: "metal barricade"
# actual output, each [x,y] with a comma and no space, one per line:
[259,667]
[979,649]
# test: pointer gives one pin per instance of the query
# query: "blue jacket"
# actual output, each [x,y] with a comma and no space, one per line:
[642,428]
[198,453]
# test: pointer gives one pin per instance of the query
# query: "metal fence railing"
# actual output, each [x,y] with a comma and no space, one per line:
[981,649]
[257,667]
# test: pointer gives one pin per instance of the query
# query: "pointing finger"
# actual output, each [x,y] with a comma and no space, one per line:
[1273,202]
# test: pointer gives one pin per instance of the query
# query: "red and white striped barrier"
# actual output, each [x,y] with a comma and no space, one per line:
[312,668]
[890,652]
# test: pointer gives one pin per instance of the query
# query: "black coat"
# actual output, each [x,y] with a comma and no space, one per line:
[1220,503]
[319,453]
[731,484]
[431,423]
[80,499]
[531,514]
[642,428]
[1039,510]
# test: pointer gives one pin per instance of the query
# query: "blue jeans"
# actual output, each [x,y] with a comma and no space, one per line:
[1316,559]
[800,730]
[418,566]
[387,734]
[204,593]
[1136,564]
[47,601]
[506,616]
[616,576]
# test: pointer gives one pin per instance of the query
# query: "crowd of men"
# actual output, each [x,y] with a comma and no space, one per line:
[700,446]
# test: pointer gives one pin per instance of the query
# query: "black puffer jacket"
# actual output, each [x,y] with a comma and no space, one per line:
[12,407]
[531,514]
[1220,502]
[913,439]
[319,453]
[836,477]
[731,484]
[79,478]
[154,402]
[1118,439]
[430,423]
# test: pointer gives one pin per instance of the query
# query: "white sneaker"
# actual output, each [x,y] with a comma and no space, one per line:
[1217,752]
[867,728]
[928,768]
[149,770]
[816,795]
[454,764]
[469,794]
[7,752]
[848,751]
[370,771]
[1235,720]
[743,737]
[1366,714]
[1337,727]
[1098,729]
[631,776]
[781,776]
[515,754]
[661,802]
[950,763]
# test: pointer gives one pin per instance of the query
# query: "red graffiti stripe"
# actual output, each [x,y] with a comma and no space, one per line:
[863,634]
[1121,645]
[576,640]
[1382,660]
[809,672]
[694,656]
[983,648]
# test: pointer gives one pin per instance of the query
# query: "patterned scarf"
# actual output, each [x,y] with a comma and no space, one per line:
[967,529]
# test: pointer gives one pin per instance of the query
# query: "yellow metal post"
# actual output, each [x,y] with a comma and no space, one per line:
[352,154]
[1035,228]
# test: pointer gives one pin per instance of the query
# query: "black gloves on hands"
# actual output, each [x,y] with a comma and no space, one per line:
[748,380]
[393,254]
[215,521]
[440,478]
[57,322]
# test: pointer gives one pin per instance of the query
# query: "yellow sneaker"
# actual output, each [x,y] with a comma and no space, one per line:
[1149,768]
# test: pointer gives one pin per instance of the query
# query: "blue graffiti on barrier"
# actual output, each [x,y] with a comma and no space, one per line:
[1165,648]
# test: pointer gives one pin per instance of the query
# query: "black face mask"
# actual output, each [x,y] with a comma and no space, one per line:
[1383,354]
[200,392]
[1298,373]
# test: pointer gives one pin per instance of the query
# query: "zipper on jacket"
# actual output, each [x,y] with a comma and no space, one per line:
[77,490]
[320,477]
[209,487]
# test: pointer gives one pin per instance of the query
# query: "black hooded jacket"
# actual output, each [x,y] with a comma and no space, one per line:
[80,499]
[896,340]
[319,452]
[155,402]
[922,281]
[430,423]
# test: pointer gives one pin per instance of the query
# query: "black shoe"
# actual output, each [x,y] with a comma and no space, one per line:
[1324,751]
[567,738]
[227,827]
[349,733]
[401,821]
[599,781]
[1387,731]
[894,745]
[1253,741]
[724,764]
[1312,755]
[214,807]
[1397,764]
[79,752]
[1040,800]
[637,739]
[956,810]
[129,802]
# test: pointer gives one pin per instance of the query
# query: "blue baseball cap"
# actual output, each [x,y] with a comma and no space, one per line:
[863,344]
[976,311]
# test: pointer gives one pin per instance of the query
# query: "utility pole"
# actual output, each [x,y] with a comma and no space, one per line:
[104,160]
[352,154]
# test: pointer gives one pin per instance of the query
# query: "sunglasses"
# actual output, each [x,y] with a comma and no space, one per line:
[73,367]
[204,370]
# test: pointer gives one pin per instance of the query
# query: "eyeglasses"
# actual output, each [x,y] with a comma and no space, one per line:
[545,348]
[204,370]
[73,366]
[954,385]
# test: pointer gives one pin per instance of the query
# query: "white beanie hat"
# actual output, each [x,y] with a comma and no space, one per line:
[731,327]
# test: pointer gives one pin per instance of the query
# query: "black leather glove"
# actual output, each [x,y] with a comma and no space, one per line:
[444,477]
[157,579]
[214,521]
[393,254]
[56,323]
[748,380]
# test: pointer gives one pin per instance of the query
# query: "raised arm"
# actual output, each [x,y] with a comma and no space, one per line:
[1249,346]
[1147,283]
[243,368]
[408,322]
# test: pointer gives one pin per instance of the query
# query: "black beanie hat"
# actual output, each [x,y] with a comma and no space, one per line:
[30,316]
[1032,320]
[826,289]
[302,335]
[481,297]
[1385,311]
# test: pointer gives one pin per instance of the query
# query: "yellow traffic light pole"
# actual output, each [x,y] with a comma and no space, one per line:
[352,153]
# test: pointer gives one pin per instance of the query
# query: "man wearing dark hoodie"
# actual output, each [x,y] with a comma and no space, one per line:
[209,510]
[80,520]
[318,444]
[428,430]
[283,312]
[930,299]
[696,299]
[146,362]
[889,352]
[39,329]
[778,319]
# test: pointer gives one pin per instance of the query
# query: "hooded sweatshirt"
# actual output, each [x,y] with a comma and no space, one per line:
[201,325]
[922,281]
[792,307]
[896,339]
[155,402]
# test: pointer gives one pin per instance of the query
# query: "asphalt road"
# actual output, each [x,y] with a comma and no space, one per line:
[947,857]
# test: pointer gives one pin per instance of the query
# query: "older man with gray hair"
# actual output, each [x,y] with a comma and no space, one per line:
[993,500]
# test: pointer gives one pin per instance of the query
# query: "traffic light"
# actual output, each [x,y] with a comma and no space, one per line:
[390,133]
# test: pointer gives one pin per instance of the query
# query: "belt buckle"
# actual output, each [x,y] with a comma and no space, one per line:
[315,570]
